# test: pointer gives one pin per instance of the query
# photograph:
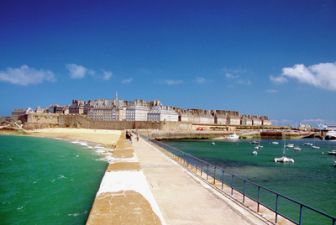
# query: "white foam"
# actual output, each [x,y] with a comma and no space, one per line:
[129,181]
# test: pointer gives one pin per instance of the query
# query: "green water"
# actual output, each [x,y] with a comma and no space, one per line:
[310,180]
[46,181]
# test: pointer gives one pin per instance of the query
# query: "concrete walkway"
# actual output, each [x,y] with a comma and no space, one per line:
[182,198]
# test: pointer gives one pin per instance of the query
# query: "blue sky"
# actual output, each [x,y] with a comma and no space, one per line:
[276,58]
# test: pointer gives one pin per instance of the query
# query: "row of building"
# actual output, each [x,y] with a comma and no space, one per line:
[140,110]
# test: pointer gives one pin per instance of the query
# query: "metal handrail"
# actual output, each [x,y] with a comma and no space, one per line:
[185,156]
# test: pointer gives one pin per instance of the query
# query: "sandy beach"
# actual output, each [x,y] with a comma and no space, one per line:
[108,138]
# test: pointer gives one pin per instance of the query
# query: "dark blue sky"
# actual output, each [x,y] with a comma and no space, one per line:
[200,54]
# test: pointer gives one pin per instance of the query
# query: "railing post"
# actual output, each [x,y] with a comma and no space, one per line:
[232,184]
[214,176]
[300,218]
[222,179]
[258,201]
[207,172]
[201,171]
[244,191]
[276,208]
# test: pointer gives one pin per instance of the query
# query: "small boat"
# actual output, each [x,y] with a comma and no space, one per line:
[284,159]
[332,152]
[255,153]
[275,143]
[233,136]
[255,142]
[297,149]
[315,147]
[258,147]
[331,135]
[308,144]
[290,146]
[213,143]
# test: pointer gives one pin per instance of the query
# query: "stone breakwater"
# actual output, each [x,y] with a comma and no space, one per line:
[124,196]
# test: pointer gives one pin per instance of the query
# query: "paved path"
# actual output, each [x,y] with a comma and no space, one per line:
[182,199]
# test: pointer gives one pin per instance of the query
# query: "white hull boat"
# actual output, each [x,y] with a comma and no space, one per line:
[297,149]
[332,152]
[275,143]
[284,159]
[331,135]
[315,147]
[233,137]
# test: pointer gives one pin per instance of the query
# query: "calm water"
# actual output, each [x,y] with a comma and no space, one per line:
[46,181]
[310,180]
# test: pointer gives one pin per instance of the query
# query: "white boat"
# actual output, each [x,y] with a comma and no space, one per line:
[308,144]
[258,147]
[233,137]
[255,153]
[332,152]
[290,146]
[213,143]
[284,159]
[275,143]
[331,135]
[297,149]
[255,142]
[315,147]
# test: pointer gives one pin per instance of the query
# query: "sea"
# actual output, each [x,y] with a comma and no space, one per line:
[311,180]
[46,181]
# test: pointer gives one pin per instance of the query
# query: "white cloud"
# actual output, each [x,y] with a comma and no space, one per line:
[78,71]
[272,91]
[322,75]
[26,75]
[278,80]
[127,81]
[172,82]
[201,80]
[244,82]
[107,75]
[231,76]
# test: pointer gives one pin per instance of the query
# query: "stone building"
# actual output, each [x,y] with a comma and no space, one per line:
[265,121]
[77,107]
[162,113]
[102,110]
[256,121]
[246,120]
[55,109]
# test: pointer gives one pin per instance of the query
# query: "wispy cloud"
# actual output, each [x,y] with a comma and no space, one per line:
[170,82]
[26,75]
[282,122]
[244,82]
[236,76]
[201,80]
[107,75]
[322,75]
[78,71]
[231,76]
[127,81]
[278,79]
[272,91]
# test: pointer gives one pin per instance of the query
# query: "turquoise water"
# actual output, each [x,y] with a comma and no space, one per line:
[310,180]
[46,181]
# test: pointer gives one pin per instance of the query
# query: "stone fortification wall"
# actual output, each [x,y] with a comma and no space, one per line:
[45,120]
[41,120]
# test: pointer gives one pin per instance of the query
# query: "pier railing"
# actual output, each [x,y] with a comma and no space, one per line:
[281,205]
